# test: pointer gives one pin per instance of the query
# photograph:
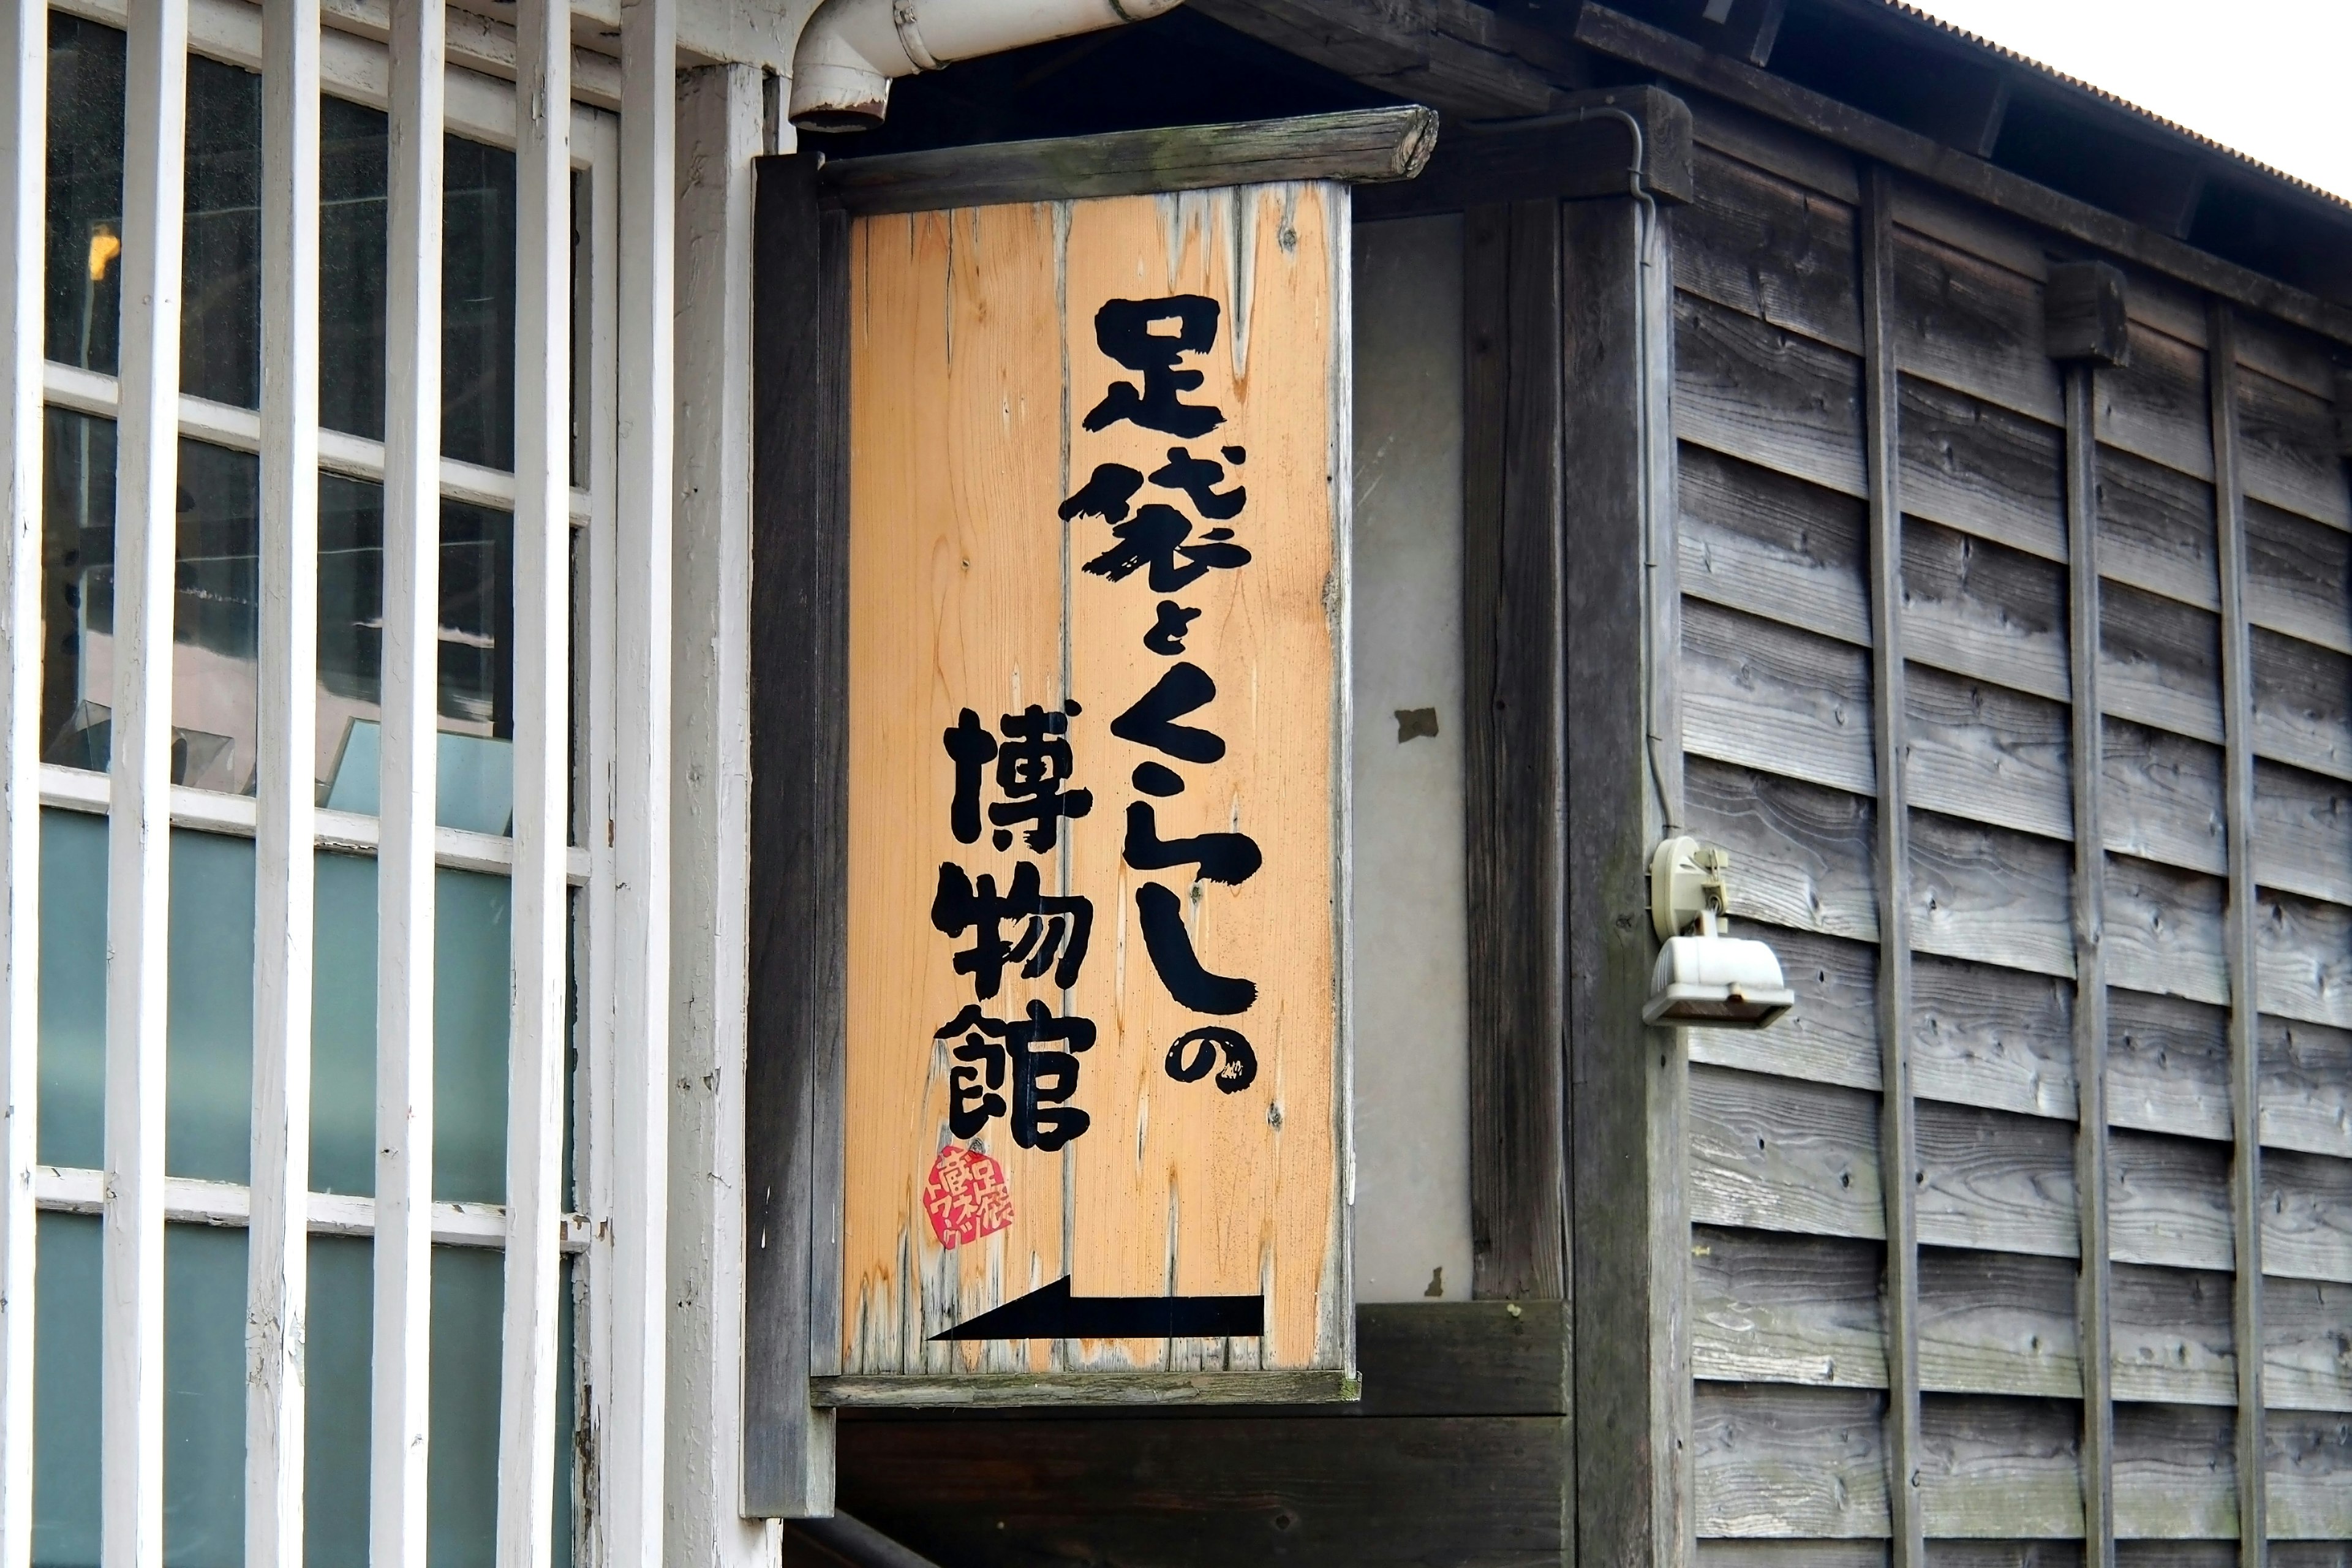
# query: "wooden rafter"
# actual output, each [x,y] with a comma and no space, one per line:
[1457,56]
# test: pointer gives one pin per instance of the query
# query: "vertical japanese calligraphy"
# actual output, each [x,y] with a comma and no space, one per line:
[1096,596]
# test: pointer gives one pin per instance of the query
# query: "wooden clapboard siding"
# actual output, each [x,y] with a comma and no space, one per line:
[2000,1468]
[1975,466]
[1755,540]
[1771,1461]
[2176,1472]
[1766,247]
[1760,391]
[1972,324]
[1789,1262]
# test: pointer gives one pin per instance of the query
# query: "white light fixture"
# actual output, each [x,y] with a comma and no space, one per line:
[1707,980]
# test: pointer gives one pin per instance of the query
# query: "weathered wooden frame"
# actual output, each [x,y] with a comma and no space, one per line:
[798,673]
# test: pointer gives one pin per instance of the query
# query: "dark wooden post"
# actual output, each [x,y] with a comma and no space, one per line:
[1632,1234]
[800,763]
[1511,610]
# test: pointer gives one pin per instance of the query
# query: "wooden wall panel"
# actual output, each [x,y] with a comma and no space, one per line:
[1790,1328]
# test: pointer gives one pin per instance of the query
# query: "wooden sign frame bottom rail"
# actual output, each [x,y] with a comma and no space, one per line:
[794,1372]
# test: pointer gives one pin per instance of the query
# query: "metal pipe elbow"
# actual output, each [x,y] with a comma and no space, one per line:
[851,50]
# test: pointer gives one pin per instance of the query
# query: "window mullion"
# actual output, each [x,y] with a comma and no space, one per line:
[279,1245]
[23,56]
[139,840]
[629,1506]
[405,870]
[542,539]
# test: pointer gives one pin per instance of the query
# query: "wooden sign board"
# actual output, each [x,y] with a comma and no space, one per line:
[1095,1097]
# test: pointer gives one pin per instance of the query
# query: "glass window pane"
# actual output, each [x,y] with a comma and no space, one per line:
[477,285]
[220,248]
[343,1027]
[475,777]
[216,621]
[354,240]
[77,587]
[471,989]
[66,1305]
[83,310]
[203,1409]
[73,990]
[208,1103]
[468,1295]
[216,610]
[335,1359]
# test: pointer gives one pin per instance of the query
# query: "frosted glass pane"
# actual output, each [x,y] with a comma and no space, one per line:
[209,1105]
[73,990]
[461,1516]
[343,1028]
[335,1437]
[471,996]
[203,1395]
[65,1391]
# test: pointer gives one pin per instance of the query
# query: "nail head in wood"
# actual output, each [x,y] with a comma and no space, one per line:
[2082,314]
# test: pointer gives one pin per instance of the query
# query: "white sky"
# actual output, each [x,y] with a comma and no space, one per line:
[2264,76]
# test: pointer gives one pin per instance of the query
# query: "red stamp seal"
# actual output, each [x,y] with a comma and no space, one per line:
[966,1196]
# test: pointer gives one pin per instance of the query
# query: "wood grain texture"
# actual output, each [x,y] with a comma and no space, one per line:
[2298,577]
[2303,831]
[974,358]
[2155,407]
[2156,529]
[1800,852]
[1782,1155]
[1975,466]
[1758,541]
[1333,1491]
[1973,325]
[2307,1461]
[2306,1363]
[1789,1462]
[2000,1466]
[1580,149]
[1762,695]
[2165,931]
[1361,144]
[1464,1358]
[2302,703]
[1995,1037]
[1514,759]
[1999,1324]
[1983,609]
[1767,247]
[2169,1202]
[2171,1336]
[1760,393]
[1773,1307]
[2288,452]
[2168,1065]
[2307,1086]
[1791,1554]
[1991,894]
[798,746]
[2176,1473]
[1993,1181]
[2302,957]
[2306,1216]
[1631,1230]
[1832,1035]
[1987,754]
[2160,662]
[1741,133]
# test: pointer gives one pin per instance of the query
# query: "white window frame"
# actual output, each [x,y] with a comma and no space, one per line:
[615,778]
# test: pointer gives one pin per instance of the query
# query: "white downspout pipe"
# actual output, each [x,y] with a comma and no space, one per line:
[851,50]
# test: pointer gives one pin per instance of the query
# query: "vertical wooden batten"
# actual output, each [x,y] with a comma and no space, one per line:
[1514,752]
[633,1265]
[799,844]
[1898,1136]
[278,1245]
[530,1342]
[24,98]
[1630,1231]
[402,1383]
[2083,335]
[138,836]
[2245,1003]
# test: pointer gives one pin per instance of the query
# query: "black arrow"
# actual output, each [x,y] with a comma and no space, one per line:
[1052,1313]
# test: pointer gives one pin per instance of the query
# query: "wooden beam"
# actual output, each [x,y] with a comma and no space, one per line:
[1462,57]
[1514,748]
[1630,1229]
[1898,1130]
[1615,34]
[2084,317]
[1363,144]
[1591,145]
[2238,832]
[799,815]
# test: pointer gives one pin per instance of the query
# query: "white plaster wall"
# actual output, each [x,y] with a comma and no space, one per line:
[1412,1015]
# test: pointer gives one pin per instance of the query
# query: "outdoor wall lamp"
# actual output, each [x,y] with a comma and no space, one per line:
[1709,979]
